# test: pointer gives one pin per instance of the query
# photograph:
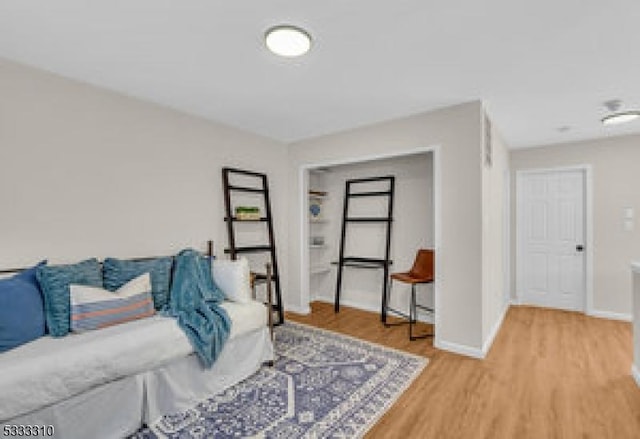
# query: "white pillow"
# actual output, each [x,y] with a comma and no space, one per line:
[95,308]
[233,278]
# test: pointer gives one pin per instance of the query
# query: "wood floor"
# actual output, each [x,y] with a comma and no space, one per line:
[549,374]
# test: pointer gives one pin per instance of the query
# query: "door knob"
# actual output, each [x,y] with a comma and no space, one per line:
[579,247]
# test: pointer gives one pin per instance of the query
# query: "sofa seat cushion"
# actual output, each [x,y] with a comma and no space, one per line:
[48,370]
[245,317]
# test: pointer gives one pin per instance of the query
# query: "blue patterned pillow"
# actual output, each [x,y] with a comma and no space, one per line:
[118,272]
[54,283]
[21,310]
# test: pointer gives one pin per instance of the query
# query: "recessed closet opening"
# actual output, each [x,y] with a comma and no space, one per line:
[413,226]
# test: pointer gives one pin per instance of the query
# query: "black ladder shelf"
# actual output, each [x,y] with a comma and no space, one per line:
[365,262]
[231,219]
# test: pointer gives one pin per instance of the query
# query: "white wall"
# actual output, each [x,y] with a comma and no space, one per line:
[635,367]
[457,132]
[616,179]
[412,228]
[494,247]
[86,172]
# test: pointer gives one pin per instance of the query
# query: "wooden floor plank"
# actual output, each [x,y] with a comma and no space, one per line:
[549,374]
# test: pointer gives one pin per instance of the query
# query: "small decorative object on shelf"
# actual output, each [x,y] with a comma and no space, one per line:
[247,213]
[315,205]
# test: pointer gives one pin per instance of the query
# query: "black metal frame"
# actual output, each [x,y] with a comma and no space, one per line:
[365,262]
[412,318]
[233,250]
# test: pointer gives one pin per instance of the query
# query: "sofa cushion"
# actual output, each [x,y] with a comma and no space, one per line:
[54,283]
[118,272]
[95,308]
[21,310]
[233,278]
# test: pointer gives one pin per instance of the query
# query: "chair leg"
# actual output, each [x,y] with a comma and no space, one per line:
[411,318]
[385,302]
[412,310]
[383,307]
[414,316]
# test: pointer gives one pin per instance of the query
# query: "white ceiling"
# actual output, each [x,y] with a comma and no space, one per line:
[538,64]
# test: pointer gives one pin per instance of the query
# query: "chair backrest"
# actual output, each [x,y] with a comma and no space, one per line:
[423,266]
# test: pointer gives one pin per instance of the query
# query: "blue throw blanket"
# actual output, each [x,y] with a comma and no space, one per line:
[194,302]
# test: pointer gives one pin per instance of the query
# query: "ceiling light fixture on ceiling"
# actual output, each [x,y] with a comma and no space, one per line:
[618,117]
[288,41]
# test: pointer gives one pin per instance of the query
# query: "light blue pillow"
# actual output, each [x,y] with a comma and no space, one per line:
[118,272]
[54,283]
[21,310]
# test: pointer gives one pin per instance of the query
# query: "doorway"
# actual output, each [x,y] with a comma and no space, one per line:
[553,239]
[325,180]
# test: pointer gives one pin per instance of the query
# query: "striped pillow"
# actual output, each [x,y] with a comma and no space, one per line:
[95,308]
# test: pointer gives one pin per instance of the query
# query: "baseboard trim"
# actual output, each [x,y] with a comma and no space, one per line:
[610,315]
[304,310]
[469,351]
[635,372]
[461,349]
[624,317]
[366,307]
[455,348]
[494,332]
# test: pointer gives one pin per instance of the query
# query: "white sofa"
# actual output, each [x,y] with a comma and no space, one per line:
[108,383]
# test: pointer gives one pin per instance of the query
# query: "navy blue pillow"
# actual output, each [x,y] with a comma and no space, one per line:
[54,283]
[21,310]
[118,272]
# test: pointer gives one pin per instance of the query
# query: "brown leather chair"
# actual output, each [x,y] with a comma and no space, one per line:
[422,272]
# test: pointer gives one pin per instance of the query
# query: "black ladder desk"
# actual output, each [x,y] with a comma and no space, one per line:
[231,220]
[347,220]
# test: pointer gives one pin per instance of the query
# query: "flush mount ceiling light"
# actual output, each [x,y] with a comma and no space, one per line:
[622,117]
[288,41]
[618,117]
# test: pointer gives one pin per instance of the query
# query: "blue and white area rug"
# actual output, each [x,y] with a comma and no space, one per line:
[323,385]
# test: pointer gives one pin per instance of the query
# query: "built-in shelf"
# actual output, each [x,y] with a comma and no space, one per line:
[320,269]
[319,266]
[317,194]
[252,220]
[316,199]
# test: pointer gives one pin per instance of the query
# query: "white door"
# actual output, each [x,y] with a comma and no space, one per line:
[551,238]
